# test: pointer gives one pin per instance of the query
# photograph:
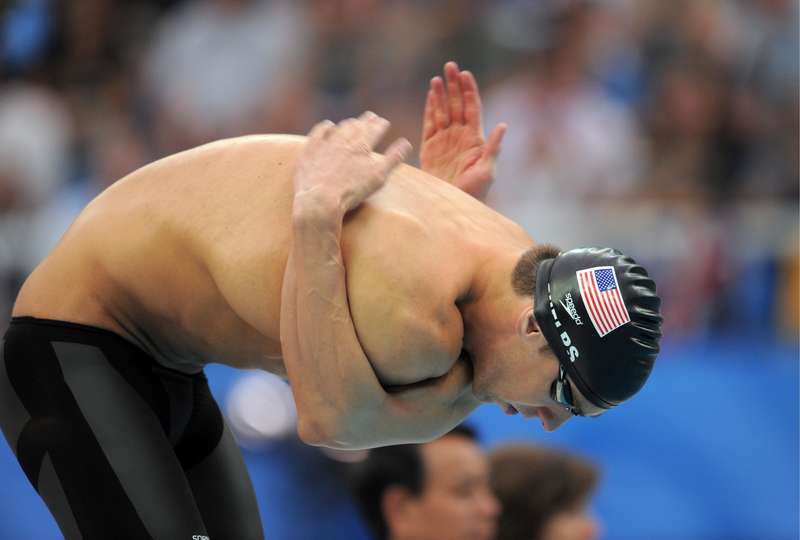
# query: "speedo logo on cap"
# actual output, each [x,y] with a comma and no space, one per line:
[569,307]
[602,298]
[572,350]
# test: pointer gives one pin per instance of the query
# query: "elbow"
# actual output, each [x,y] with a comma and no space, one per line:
[313,432]
[317,431]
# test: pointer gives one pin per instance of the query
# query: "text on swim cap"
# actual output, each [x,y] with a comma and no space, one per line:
[565,339]
[570,308]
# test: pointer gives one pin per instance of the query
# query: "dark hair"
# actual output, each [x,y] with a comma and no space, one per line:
[524,277]
[534,484]
[387,466]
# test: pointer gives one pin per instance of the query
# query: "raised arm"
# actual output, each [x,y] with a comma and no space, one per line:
[339,399]
[453,147]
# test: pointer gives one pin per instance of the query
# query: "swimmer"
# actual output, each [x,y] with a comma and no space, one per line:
[394,303]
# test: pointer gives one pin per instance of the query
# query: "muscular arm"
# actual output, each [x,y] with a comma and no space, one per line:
[340,401]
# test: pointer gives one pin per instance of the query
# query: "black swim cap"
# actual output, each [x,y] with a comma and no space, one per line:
[600,313]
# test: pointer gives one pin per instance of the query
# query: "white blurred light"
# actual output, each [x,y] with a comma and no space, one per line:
[260,410]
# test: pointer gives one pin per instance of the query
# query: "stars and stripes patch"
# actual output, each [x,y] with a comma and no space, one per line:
[602,298]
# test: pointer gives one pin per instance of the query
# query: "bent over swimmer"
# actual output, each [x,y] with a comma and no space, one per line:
[394,302]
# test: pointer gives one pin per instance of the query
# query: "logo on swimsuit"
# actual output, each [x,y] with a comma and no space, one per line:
[569,307]
[199,537]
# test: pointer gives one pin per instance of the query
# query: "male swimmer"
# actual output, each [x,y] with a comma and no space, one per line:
[394,308]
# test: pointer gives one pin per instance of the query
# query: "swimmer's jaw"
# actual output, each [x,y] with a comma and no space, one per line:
[550,421]
[551,417]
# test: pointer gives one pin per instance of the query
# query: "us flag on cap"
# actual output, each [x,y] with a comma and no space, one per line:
[601,296]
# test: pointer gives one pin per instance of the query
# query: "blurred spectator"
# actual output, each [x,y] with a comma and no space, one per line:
[723,85]
[344,32]
[221,68]
[568,140]
[544,494]
[437,490]
[35,134]
[380,56]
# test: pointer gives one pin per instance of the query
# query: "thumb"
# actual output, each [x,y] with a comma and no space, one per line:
[492,148]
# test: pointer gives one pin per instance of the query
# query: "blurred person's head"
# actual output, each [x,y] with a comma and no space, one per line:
[544,494]
[437,490]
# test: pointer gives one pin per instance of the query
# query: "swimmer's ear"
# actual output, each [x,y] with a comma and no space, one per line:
[527,326]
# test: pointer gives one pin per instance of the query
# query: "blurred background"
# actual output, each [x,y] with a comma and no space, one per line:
[668,130]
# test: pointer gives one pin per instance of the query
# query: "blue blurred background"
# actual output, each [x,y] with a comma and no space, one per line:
[666,129]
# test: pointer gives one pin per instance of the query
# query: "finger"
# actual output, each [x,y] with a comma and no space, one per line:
[472,101]
[321,130]
[441,116]
[364,131]
[454,93]
[367,116]
[319,134]
[375,127]
[428,119]
[493,145]
[347,129]
[396,154]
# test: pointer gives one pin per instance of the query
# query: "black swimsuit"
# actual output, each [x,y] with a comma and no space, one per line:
[117,445]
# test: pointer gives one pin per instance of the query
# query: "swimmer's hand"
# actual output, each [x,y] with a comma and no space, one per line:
[453,147]
[337,166]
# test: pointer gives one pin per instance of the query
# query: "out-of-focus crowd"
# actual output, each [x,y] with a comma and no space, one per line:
[666,129]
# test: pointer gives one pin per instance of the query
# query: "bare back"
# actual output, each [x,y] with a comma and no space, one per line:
[186,258]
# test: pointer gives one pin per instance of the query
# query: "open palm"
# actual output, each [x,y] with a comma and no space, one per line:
[453,147]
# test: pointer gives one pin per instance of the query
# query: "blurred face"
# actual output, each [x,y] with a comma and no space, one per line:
[578,524]
[517,374]
[456,502]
